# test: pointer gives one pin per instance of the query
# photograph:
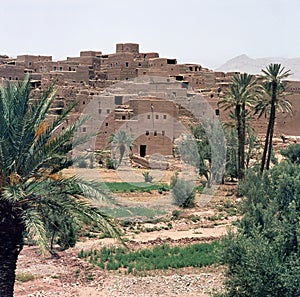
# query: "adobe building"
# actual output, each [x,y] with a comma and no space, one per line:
[150,121]
[84,77]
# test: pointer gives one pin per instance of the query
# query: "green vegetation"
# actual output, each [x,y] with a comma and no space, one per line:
[263,255]
[183,191]
[148,178]
[133,212]
[243,93]
[120,143]
[274,100]
[24,277]
[33,191]
[122,187]
[292,153]
[160,257]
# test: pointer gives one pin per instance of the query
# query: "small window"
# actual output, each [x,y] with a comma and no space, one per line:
[60,68]
[110,66]
[155,133]
[163,132]
[107,111]
[83,102]
[126,64]
[118,100]
[148,117]
[106,124]
[217,112]
[147,133]
[99,110]
[83,129]
[116,65]
[123,117]
[54,68]
[157,116]
[165,116]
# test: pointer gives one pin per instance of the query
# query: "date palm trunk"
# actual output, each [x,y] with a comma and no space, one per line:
[272,123]
[11,244]
[241,143]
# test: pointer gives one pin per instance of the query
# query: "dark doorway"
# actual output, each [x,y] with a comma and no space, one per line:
[142,150]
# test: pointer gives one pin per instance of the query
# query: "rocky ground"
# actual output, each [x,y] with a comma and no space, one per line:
[67,275]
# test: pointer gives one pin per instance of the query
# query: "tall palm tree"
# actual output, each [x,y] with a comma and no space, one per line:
[32,155]
[243,93]
[274,87]
[120,142]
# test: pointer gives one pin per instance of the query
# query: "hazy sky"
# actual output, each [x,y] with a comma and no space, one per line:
[206,32]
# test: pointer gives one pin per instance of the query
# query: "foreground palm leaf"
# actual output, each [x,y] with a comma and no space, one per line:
[32,154]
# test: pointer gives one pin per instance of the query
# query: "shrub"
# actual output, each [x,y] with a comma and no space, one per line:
[82,164]
[110,163]
[292,153]
[147,177]
[263,255]
[183,192]
[24,277]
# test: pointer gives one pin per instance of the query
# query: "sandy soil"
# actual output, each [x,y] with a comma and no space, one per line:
[68,275]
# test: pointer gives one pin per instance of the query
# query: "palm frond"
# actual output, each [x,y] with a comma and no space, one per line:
[35,227]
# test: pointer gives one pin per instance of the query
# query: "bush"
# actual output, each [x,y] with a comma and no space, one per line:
[82,164]
[183,192]
[292,153]
[147,177]
[263,255]
[110,163]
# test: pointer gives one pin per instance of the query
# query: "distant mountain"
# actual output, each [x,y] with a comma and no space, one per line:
[243,63]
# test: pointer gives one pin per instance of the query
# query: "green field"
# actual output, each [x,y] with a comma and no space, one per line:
[160,257]
[133,212]
[123,187]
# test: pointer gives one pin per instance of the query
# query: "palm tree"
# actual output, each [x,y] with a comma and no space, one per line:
[120,142]
[32,188]
[275,91]
[243,93]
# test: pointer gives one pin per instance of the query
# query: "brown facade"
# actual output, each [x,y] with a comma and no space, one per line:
[83,77]
[150,121]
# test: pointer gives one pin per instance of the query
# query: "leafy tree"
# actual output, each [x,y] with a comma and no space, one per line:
[120,142]
[274,87]
[32,190]
[231,160]
[242,95]
[292,153]
[211,151]
[264,251]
